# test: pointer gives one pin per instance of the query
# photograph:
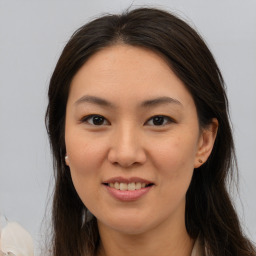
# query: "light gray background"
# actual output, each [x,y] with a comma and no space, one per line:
[32,35]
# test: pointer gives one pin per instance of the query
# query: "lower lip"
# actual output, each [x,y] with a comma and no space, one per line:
[128,195]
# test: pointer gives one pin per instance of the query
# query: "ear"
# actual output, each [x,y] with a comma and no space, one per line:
[206,142]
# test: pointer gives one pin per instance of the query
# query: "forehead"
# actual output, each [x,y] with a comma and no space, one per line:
[121,72]
[119,56]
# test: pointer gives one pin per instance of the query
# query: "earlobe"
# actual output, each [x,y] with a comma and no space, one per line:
[206,143]
[66,160]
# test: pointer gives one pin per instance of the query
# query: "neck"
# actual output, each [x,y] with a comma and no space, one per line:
[165,240]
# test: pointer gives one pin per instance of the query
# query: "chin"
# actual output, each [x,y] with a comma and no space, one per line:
[129,225]
[131,229]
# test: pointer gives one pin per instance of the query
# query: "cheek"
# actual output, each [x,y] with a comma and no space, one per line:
[177,151]
[85,153]
[174,160]
[85,158]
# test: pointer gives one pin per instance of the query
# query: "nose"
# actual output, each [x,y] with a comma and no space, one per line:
[126,148]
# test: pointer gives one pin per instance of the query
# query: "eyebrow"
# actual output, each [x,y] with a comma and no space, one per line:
[160,101]
[94,100]
[145,104]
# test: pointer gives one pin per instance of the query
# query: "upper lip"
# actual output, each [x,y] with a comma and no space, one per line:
[127,180]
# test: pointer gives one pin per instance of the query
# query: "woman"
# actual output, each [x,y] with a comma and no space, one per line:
[142,146]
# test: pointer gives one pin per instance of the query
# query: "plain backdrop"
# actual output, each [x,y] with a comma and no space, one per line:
[32,35]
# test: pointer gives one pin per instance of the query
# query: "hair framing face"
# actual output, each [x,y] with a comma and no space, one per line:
[208,204]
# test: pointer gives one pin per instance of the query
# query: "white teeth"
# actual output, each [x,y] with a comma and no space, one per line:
[117,185]
[127,186]
[138,185]
[131,186]
[123,186]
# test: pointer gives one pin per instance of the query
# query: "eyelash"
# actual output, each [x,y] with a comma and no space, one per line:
[86,118]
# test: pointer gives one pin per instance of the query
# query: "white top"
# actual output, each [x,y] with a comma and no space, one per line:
[199,249]
[15,241]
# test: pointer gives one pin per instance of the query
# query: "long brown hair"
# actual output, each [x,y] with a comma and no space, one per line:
[209,210]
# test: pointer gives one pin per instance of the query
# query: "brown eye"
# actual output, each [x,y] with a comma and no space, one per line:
[95,120]
[159,120]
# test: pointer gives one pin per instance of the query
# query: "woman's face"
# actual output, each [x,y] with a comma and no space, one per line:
[132,139]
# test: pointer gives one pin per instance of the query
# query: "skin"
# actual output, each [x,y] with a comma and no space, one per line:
[128,143]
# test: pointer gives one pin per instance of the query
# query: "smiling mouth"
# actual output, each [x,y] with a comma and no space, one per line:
[128,186]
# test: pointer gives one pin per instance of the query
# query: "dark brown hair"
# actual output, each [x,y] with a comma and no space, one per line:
[209,210]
